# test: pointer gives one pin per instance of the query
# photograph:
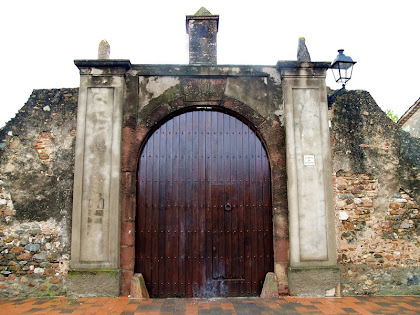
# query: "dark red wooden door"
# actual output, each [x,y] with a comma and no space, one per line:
[204,219]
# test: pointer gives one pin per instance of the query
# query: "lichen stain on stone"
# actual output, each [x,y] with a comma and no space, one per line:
[153,87]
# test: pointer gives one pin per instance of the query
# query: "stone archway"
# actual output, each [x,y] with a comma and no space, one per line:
[135,137]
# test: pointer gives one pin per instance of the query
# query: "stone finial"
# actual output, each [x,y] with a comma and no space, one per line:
[104,50]
[302,52]
[203,12]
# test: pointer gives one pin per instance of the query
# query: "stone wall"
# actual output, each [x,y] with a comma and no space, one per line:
[376,189]
[376,183]
[36,184]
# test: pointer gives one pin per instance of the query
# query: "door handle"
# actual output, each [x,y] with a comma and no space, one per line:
[228,207]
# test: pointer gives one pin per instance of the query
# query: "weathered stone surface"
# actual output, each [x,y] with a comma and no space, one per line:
[202,31]
[315,282]
[302,51]
[378,243]
[104,50]
[309,187]
[90,283]
[41,186]
[138,288]
[270,289]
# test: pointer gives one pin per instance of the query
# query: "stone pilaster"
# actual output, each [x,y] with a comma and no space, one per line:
[313,267]
[96,201]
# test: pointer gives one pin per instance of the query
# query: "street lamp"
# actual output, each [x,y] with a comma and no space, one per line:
[342,69]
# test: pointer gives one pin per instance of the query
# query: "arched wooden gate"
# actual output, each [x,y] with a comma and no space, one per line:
[204,218]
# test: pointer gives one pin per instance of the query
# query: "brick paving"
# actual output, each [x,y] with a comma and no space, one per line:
[285,305]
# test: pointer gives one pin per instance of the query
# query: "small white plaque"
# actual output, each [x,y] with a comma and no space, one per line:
[309,159]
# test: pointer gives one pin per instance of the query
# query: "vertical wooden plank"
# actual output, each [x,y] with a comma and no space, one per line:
[254,219]
[241,202]
[175,204]
[221,197]
[227,217]
[181,208]
[247,211]
[169,210]
[260,215]
[209,140]
[162,211]
[215,195]
[195,203]
[202,200]
[155,217]
[189,206]
[149,215]
[234,252]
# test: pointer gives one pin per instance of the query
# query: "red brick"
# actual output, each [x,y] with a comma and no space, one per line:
[130,148]
[281,250]
[128,182]
[126,282]
[128,207]
[127,258]
[280,225]
[127,233]
[141,132]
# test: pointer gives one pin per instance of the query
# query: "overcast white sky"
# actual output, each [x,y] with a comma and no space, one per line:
[40,39]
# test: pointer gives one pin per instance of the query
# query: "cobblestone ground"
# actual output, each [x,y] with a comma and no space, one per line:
[285,305]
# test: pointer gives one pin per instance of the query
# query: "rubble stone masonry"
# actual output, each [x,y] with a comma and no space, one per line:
[36,184]
[378,252]
[376,191]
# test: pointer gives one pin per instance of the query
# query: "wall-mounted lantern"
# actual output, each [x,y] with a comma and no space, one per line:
[342,68]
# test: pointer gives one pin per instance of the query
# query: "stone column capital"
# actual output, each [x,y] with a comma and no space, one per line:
[103,66]
[302,69]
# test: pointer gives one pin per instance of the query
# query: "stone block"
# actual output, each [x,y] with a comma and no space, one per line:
[129,149]
[128,183]
[93,283]
[270,289]
[138,288]
[313,281]
[126,281]
[127,233]
[128,207]
[280,225]
[127,258]
[281,250]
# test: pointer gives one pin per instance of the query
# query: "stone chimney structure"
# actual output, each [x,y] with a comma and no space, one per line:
[202,30]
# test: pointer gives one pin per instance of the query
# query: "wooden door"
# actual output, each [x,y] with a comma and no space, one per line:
[204,219]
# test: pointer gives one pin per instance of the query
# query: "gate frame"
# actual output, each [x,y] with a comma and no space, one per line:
[273,139]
